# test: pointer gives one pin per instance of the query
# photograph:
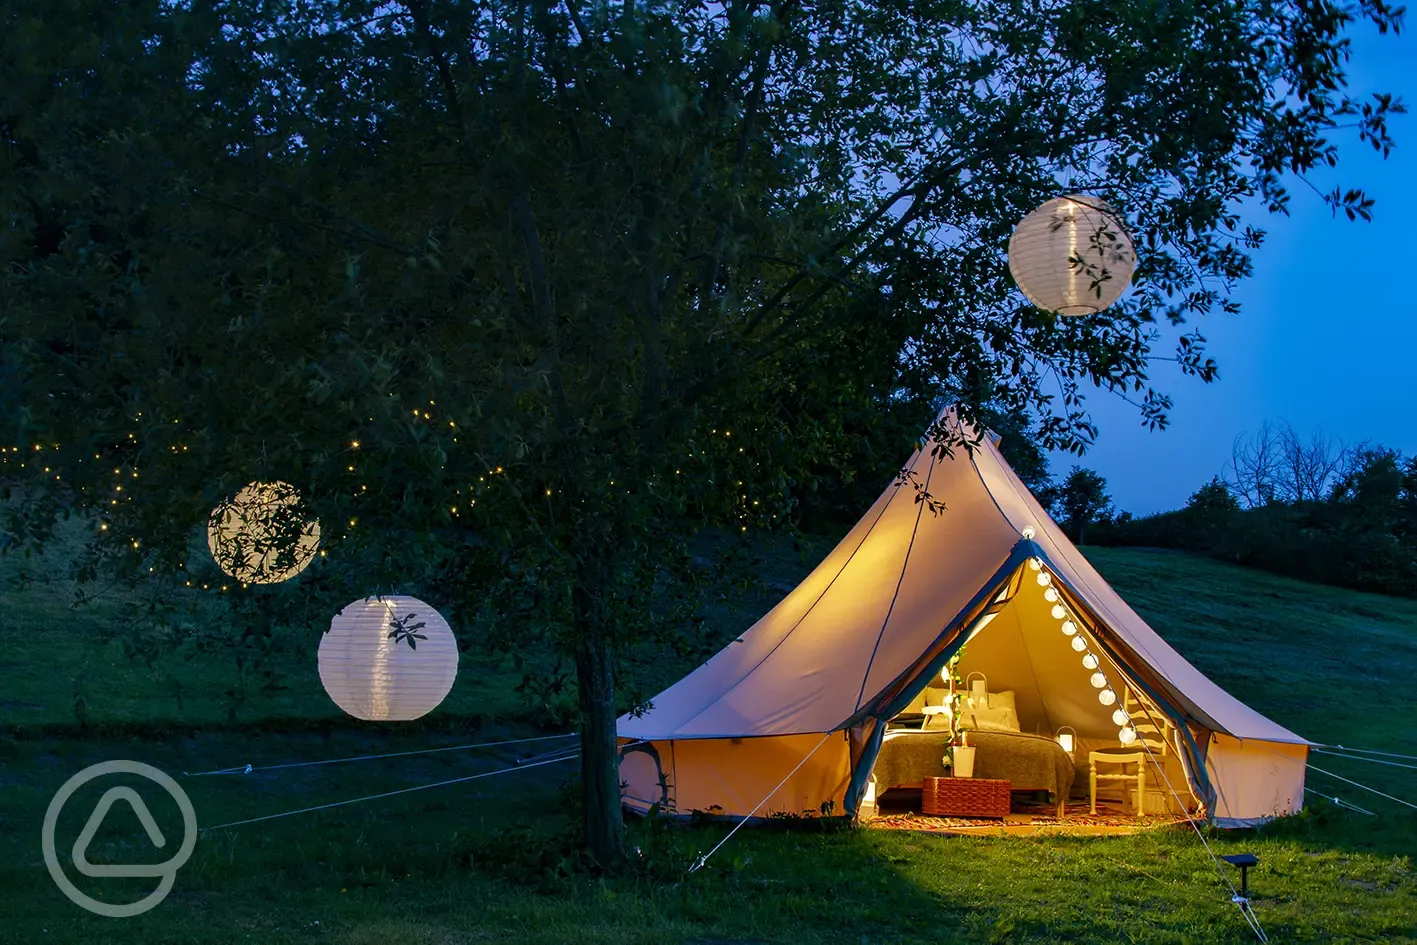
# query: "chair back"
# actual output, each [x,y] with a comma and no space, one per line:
[1152,728]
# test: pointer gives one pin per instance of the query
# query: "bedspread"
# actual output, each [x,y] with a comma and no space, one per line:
[1028,762]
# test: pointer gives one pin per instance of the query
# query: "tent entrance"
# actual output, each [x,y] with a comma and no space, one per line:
[1043,666]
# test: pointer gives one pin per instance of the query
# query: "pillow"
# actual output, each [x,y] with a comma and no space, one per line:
[917,704]
[1003,700]
[997,719]
[936,695]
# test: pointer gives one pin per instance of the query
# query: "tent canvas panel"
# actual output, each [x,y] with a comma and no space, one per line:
[737,777]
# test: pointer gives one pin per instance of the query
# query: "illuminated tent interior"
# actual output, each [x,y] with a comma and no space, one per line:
[836,693]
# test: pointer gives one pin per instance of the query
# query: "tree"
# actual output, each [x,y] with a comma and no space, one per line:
[522,296]
[1307,470]
[1253,471]
[1082,500]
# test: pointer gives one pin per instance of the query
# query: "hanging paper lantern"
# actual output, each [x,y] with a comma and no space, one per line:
[1078,644]
[1050,595]
[1089,661]
[1127,735]
[1069,628]
[388,660]
[1043,578]
[1107,697]
[1120,717]
[1072,256]
[1059,612]
[1099,681]
[258,537]
[1034,563]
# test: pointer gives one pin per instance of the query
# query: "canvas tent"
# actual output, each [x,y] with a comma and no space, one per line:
[789,717]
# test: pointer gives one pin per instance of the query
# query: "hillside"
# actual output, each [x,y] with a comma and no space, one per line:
[495,860]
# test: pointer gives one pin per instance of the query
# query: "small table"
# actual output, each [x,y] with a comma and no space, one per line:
[965,797]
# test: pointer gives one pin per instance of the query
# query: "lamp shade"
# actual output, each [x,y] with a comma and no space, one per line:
[1072,256]
[388,659]
[258,535]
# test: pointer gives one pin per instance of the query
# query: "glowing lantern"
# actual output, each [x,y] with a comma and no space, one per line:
[1050,595]
[258,536]
[1072,256]
[1059,611]
[1089,661]
[1043,578]
[1107,697]
[1120,717]
[388,660]
[1127,735]
[1078,644]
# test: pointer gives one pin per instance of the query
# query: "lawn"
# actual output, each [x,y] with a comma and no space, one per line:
[495,859]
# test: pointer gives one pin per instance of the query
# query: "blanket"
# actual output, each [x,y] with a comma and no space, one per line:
[1028,762]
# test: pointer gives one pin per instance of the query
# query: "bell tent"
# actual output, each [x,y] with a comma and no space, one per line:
[792,716]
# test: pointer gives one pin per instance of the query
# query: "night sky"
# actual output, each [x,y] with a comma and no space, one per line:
[1327,335]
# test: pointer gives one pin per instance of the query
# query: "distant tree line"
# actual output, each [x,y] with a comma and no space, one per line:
[1316,509]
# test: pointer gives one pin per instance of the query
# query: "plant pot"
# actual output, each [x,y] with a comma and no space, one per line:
[964,762]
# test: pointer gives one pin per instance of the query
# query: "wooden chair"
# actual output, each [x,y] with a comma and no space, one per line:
[1151,745]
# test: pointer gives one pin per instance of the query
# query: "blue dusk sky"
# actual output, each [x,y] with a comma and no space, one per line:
[1327,336]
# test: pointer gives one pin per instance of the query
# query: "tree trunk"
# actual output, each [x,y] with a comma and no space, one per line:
[604,825]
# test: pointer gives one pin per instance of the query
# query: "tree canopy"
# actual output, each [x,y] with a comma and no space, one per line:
[520,296]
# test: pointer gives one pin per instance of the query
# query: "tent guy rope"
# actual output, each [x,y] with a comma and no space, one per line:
[1340,802]
[703,858]
[1376,761]
[375,797]
[1364,787]
[248,769]
[1247,912]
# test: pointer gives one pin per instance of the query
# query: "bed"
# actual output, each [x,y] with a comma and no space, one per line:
[1028,762]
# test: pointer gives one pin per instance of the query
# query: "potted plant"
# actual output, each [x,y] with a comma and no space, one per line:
[959,754]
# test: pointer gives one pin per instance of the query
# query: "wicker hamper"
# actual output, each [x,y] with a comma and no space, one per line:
[965,797]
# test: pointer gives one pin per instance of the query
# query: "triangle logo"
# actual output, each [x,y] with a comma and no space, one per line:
[145,817]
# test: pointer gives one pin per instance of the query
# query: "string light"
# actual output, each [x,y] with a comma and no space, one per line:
[1078,644]
[1059,612]
[1050,595]
[1044,578]
[1107,697]
[1089,661]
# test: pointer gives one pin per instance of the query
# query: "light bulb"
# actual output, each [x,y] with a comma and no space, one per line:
[1035,563]
[1069,628]
[1051,596]
[1089,662]
[1127,735]
[1107,697]
[1043,578]
[1059,612]
[1099,681]
[1079,644]
[1120,717]
[1028,532]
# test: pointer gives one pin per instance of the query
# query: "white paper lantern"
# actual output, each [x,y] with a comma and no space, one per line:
[388,660]
[1072,256]
[1098,681]
[1035,563]
[1089,661]
[1120,717]
[1069,628]
[1127,735]
[1059,612]
[1078,645]
[1050,595]
[1107,697]
[248,533]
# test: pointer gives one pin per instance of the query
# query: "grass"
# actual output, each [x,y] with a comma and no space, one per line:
[495,859]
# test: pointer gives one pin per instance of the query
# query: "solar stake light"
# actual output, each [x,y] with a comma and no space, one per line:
[1244,861]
